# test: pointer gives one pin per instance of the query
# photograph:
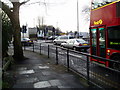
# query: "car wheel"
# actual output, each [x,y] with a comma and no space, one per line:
[54,43]
[29,44]
[85,50]
[23,44]
[61,45]
[74,48]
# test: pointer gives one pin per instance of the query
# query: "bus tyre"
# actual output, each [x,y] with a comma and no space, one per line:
[115,65]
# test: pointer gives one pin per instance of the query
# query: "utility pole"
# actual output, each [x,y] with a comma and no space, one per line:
[77,19]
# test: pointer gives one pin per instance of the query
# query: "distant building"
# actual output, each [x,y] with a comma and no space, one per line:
[84,34]
[71,34]
[32,33]
[81,34]
[32,30]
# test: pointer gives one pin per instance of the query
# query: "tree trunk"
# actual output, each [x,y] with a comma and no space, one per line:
[18,52]
[14,17]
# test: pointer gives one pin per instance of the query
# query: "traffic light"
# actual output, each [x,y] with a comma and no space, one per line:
[53,30]
[24,29]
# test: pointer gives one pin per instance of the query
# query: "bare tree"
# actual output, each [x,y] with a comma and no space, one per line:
[39,21]
[13,14]
[86,12]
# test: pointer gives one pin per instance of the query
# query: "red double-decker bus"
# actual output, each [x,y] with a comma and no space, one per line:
[105,31]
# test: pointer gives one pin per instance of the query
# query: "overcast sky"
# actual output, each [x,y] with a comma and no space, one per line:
[59,13]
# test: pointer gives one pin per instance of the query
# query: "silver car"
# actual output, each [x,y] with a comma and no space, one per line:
[76,44]
[62,39]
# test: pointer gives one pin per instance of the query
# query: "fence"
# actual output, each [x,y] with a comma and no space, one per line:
[79,62]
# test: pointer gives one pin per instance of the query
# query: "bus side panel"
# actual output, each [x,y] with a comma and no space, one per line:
[105,16]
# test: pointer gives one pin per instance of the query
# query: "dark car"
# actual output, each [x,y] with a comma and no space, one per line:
[76,44]
[26,41]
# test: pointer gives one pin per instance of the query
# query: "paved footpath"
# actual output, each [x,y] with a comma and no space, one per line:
[40,72]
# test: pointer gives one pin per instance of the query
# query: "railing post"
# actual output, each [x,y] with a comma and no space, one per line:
[40,48]
[56,55]
[68,59]
[33,47]
[48,50]
[88,77]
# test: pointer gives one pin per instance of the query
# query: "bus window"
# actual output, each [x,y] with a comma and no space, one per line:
[99,3]
[94,41]
[114,37]
[94,37]
[102,42]
[102,37]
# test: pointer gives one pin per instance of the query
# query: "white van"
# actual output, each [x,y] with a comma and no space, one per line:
[62,39]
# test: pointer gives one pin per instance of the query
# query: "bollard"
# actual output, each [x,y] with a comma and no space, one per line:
[48,50]
[56,55]
[40,48]
[88,77]
[68,59]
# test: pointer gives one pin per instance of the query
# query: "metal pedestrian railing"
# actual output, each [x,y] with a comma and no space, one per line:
[79,62]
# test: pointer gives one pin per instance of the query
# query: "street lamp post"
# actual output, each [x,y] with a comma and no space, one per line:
[77,19]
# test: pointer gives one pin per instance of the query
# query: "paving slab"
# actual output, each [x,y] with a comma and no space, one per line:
[55,82]
[42,84]
[39,72]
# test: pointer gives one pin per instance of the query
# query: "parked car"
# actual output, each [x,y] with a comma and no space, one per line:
[52,37]
[76,44]
[26,41]
[62,39]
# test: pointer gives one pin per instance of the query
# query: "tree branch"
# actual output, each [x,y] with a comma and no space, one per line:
[6,9]
[24,2]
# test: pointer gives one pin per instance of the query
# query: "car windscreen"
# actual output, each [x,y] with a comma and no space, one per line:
[63,37]
[25,39]
[81,41]
[71,37]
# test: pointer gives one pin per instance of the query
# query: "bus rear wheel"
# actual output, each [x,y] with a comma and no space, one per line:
[115,65]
